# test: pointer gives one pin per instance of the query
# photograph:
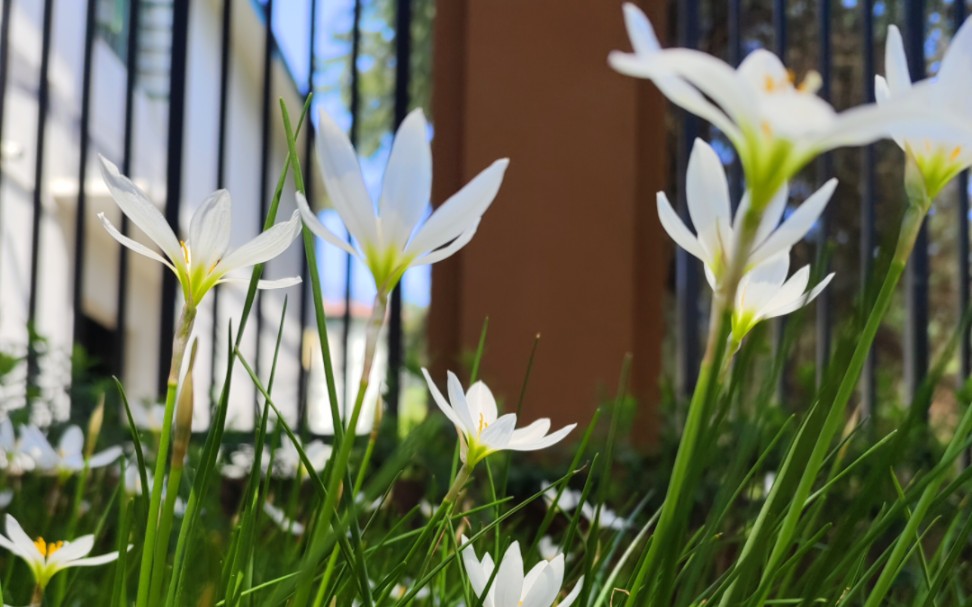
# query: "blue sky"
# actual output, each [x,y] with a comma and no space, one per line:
[291,24]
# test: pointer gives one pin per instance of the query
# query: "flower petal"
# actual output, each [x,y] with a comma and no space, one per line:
[457,397]
[209,230]
[460,211]
[481,399]
[448,250]
[531,433]
[509,579]
[72,441]
[407,184]
[441,401]
[546,441]
[546,585]
[798,302]
[103,458]
[570,598]
[136,205]
[707,193]
[315,226]
[796,225]
[263,285]
[673,224]
[342,177]
[497,435]
[640,32]
[264,247]
[93,561]
[474,569]
[896,63]
[25,546]
[72,551]
[134,245]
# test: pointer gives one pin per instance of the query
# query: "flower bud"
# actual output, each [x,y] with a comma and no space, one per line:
[183,414]
[94,427]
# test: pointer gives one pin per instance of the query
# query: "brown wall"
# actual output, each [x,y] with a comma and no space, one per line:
[571,248]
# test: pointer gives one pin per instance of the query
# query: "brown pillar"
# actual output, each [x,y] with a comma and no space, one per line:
[571,248]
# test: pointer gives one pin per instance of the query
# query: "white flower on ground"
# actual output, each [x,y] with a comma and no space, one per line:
[133,486]
[765,293]
[13,460]
[570,499]
[204,260]
[394,238]
[287,462]
[707,194]
[47,558]
[939,160]
[775,125]
[280,518]
[511,588]
[481,430]
[68,457]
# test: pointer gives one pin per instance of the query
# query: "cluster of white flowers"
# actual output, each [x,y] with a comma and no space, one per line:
[29,450]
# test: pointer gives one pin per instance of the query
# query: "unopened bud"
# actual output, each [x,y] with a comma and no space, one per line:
[94,427]
[183,414]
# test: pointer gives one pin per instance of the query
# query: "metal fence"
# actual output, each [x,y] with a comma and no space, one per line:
[156,61]
[844,42]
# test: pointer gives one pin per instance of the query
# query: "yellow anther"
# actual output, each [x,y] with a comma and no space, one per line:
[956,152]
[185,252]
[766,128]
[47,548]
[811,83]
[482,424]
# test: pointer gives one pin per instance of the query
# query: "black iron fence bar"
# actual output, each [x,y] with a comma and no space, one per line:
[735,57]
[80,218]
[403,75]
[686,268]
[226,33]
[127,165]
[43,103]
[779,324]
[867,184]
[308,163]
[353,135]
[916,331]
[965,348]
[265,150]
[173,188]
[825,169]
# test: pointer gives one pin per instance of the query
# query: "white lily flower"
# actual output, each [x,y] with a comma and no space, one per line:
[202,261]
[287,463]
[511,588]
[47,558]
[68,457]
[707,194]
[394,238]
[148,416]
[939,160]
[281,520]
[481,430]
[765,293]
[13,460]
[570,499]
[775,126]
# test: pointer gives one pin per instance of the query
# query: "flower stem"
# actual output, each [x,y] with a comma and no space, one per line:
[179,343]
[37,598]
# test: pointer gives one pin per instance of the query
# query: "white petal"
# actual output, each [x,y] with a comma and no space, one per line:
[798,302]
[315,226]
[896,63]
[448,250]
[457,397]
[342,177]
[497,435]
[530,434]
[642,35]
[14,548]
[509,579]
[771,215]
[7,439]
[957,63]
[796,225]
[72,441]
[546,441]
[264,247]
[136,205]
[93,561]
[407,185]
[714,78]
[132,244]
[103,458]
[707,192]
[545,588]
[481,399]
[263,285]
[570,598]
[474,569]
[460,211]
[676,229]
[25,546]
[442,402]
[209,230]
[74,550]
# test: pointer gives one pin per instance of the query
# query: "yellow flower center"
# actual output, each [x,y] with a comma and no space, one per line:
[811,83]
[47,548]
[482,424]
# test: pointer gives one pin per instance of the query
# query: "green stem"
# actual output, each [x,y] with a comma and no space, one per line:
[179,343]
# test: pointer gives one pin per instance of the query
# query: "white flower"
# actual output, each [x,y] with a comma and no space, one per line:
[775,126]
[133,486]
[149,416]
[287,463]
[707,194]
[510,588]
[481,431]
[570,499]
[394,238]
[203,260]
[765,292]
[68,458]
[47,558]
[13,460]
[939,160]
[286,524]
[6,496]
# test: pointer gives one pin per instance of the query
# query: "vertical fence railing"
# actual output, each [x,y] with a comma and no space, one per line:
[266,148]
[5,9]
[692,30]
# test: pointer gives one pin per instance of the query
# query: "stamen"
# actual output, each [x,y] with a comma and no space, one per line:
[766,128]
[482,424]
[47,548]
[811,83]
[955,153]
[185,252]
